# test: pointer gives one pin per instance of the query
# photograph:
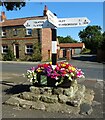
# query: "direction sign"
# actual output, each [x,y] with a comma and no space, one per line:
[30,24]
[52,18]
[62,22]
[72,22]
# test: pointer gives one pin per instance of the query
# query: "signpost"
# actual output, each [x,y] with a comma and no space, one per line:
[30,24]
[53,22]
[52,18]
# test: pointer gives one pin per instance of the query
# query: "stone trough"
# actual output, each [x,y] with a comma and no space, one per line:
[55,99]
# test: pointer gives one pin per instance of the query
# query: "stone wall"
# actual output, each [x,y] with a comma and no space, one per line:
[66,100]
[42,36]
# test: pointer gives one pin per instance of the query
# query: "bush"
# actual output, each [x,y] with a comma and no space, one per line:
[85,51]
[36,56]
[9,56]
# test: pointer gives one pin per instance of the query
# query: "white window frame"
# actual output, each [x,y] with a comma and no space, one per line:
[28,48]
[4,47]
[3,33]
[15,32]
[27,32]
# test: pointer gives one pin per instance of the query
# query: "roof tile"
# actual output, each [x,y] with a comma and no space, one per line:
[19,21]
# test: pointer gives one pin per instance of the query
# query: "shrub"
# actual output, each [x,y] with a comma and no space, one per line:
[37,53]
[85,51]
[9,56]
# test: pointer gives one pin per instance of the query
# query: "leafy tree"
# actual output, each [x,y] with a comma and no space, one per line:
[91,36]
[10,5]
[102,43]
[66,39]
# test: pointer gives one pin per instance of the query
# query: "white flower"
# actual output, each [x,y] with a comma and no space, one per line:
[53,67]
[31,80]
[72,74]
[70,78]
[56,83]
[56,78]
[67,75]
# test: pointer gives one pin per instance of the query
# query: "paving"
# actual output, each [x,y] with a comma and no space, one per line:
[17,112]
[10,87]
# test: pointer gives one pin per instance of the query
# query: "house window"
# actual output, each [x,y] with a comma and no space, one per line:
[15,32]
[29,49]
[3,33]
[28,31]
[4,49]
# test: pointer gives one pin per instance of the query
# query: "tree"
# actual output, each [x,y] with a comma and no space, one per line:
[66,39]
[91,36]
[9,5]
[102,43]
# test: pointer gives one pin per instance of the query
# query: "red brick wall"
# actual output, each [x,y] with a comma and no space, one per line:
[61,53]
[46,43]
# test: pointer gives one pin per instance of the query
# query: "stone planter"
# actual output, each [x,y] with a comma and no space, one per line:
[40,77]
[65,84]
[51,82]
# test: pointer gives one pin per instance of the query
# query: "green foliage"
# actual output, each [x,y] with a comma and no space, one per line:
[67,39]
[91,36]
[12,5]
[102,43]
[37,53]
[9,56]
[85,51]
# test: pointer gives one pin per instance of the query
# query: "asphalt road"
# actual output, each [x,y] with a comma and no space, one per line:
[92,70]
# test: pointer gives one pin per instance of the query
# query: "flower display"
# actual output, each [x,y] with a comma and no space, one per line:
[59,72]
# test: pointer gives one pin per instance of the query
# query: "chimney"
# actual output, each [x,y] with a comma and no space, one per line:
[3,17]
[45,10]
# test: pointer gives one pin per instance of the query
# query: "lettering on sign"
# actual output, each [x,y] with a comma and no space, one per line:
[30,24]
[52,18]
[53,22]
[72,22]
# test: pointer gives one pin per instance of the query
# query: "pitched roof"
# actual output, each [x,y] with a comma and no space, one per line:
[19,21]
[71,45]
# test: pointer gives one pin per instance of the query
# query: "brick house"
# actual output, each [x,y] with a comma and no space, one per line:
[21,40]
[66,50]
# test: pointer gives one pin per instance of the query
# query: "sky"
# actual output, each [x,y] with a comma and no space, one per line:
[92,10]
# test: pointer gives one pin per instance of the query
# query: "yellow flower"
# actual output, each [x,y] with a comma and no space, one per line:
[50,63]
[63,65]
[69,68]
[73,69]
[39,70]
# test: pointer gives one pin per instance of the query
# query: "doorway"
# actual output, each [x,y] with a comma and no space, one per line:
[16,50]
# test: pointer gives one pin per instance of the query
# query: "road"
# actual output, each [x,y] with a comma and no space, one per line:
[92,70]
